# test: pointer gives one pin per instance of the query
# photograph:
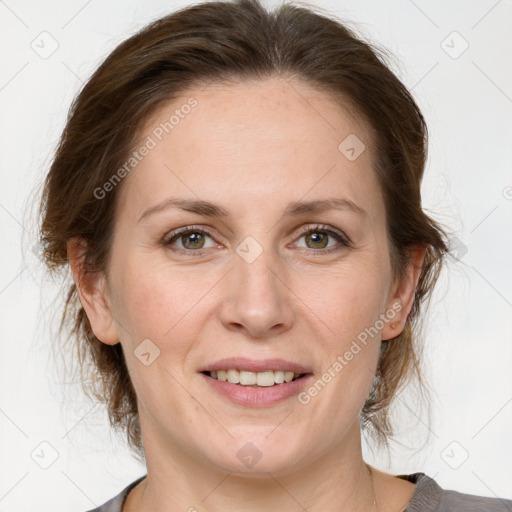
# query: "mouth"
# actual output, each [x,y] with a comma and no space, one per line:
[256,389]
[246,378]
[255,382]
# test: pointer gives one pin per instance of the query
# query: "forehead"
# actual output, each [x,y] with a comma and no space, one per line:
[250,140]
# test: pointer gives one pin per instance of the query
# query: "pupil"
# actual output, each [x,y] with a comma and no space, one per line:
[316,237]
[193,238]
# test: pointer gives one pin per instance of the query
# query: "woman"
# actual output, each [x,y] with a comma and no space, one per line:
[237,195]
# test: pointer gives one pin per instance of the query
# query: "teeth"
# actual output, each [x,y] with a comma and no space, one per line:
[279,377]
[247,378]
[234,376]
[265,378]
[244,378]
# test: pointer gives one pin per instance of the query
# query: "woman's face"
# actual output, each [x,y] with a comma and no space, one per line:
[271,269]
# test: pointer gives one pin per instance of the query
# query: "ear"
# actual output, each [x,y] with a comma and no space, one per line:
[403,293]
[93,293]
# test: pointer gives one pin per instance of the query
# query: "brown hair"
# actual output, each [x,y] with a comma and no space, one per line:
[233,41]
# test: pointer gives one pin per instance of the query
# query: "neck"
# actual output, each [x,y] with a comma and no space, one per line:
[178,481]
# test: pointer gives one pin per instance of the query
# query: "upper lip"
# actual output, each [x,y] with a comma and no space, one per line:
[254,365]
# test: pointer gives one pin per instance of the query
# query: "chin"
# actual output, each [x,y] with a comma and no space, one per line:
[260,469]
[259,455]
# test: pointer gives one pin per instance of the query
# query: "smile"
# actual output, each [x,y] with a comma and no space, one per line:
[268,393]
[258,379]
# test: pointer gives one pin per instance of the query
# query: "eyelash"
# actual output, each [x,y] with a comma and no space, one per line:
[338,235]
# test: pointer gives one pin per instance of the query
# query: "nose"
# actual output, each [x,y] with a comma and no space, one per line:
[257,299]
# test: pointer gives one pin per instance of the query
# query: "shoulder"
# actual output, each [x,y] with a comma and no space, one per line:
[116,503]
[429,496]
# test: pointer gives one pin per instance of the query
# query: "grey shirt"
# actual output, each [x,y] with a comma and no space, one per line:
[428,496]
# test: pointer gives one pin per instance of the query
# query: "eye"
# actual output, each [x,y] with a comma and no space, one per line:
[192,240]
[317,240]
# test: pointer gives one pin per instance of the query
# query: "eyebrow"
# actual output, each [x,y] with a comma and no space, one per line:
[295,208]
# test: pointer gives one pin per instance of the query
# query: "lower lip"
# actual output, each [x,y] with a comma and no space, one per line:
[258,396]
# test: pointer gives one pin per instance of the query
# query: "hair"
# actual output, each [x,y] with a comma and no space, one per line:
[221,42]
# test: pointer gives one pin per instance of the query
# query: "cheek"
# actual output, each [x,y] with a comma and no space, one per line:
[351,349]
[156,302]
[163,305]
[345,301]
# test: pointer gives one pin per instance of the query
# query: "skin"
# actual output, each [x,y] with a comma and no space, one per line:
[252,148]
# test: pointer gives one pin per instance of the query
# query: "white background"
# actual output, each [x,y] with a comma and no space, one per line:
[467,102]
